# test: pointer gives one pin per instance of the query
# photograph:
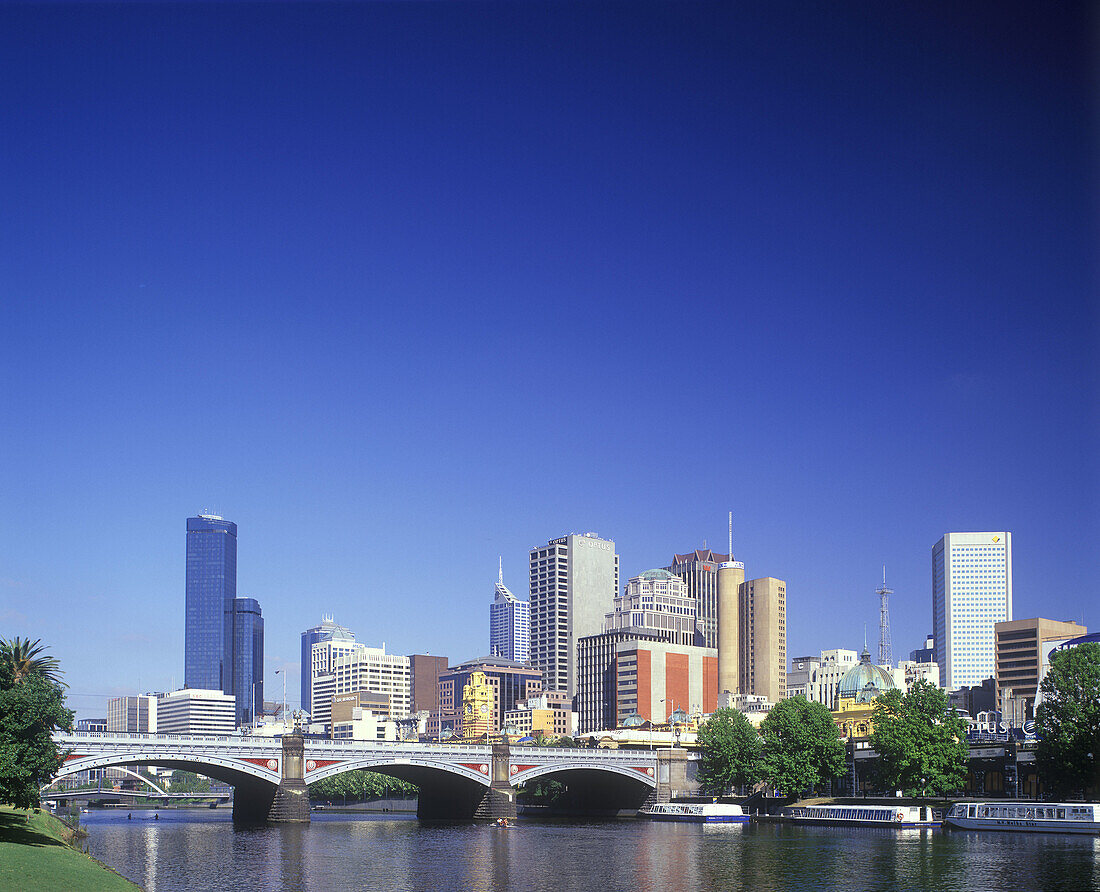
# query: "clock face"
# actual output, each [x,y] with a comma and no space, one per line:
[484,709]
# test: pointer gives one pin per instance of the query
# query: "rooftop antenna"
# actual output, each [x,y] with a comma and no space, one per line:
[500,575]
[731,538]
[884,593]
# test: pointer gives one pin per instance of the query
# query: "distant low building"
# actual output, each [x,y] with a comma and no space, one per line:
[132,715]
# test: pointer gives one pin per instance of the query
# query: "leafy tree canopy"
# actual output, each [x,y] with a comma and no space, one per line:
[30,710]
[1067,722]
[920,740]
[731,751]
[802,746]
[358,786]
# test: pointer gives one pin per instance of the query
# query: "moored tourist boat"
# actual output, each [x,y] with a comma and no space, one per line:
[896,816]
[1032,817]
[696,812]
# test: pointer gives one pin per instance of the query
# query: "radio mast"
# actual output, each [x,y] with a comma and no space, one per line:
[884,593]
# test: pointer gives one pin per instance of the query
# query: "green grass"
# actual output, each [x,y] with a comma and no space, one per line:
[35,855]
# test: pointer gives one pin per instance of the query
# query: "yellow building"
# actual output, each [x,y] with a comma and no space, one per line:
[856,693]
[477,703]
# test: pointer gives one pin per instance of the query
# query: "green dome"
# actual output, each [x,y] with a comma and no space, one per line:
[865,682]
[656,574]
[633,721]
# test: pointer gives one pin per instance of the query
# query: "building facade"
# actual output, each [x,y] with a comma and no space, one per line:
[1022,657]
[349,667]
[573,584]
[328,630]
[196,711]
[509,624]
[825,677]
[248,659]
[699,571]
[132,715]
[426,670]
[971,593]
[654,679]
[509,683]
[763,640]
[211,587]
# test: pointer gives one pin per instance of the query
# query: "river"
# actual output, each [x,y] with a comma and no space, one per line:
[199,849]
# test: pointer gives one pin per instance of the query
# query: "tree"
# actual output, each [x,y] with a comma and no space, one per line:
[360,785]
[802,747]
[188,782]
[30,710]
[731,752]
[920,741]
[1067,722]
[21,658]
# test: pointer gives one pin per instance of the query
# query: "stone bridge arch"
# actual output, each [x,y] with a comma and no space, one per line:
[595,789]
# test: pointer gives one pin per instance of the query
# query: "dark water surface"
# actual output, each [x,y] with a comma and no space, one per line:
[200,849]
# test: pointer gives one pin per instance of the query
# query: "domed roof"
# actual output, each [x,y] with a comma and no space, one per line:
[656,574]
[633,721]
[864,682]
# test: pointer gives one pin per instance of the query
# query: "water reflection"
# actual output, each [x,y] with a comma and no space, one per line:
[202,850]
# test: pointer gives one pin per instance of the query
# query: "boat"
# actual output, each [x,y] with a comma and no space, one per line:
[1034,817]
[696,812]
[894,816]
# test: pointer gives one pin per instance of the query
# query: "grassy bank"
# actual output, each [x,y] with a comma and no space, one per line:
[35,854]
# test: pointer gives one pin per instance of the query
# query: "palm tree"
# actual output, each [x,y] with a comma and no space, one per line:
[19,659]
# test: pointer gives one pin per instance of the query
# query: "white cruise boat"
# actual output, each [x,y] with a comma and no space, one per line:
[1036,817]
[896,816]
[696,812]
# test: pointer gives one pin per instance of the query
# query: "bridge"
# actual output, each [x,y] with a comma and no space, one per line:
[270,776]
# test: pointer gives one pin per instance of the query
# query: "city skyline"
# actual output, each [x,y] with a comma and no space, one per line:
[402,288]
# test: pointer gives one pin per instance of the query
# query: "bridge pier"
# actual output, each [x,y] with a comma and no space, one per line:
[290,804]
[676,776]
[499,800]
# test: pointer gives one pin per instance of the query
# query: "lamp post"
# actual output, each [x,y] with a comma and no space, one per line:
[282,672]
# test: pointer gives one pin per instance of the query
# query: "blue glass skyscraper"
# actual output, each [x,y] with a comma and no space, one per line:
[211,590]
[248,659]
[223,634]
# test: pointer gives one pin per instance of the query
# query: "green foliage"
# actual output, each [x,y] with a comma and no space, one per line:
[360,786]
[1067,722]
[188,782]
[21,658]
[802,747]
[32,707]
[567,742]
[543,791]
[29,712]
[731,751]
[920,740]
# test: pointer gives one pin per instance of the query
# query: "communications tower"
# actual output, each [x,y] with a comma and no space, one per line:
[884,593]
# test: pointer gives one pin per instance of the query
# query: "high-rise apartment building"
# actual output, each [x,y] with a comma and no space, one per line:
[211,589]
[763,644]
[971,593]
[574,581]
[327,631]
[509,624]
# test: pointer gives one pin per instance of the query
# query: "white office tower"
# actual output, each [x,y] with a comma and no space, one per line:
[971,592]
[344,667]
[574,581]
[509,624]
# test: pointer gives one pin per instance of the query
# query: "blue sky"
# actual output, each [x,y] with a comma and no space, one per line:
[400,288]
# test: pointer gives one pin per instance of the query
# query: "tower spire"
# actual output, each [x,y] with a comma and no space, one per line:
[500,573]
[731,538]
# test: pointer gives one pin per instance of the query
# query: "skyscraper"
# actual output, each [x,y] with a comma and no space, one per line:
[248,659]
[509,624]
[211,588]
[574,581]
[327,631]
[971,592]
[699,570]
[223,635]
